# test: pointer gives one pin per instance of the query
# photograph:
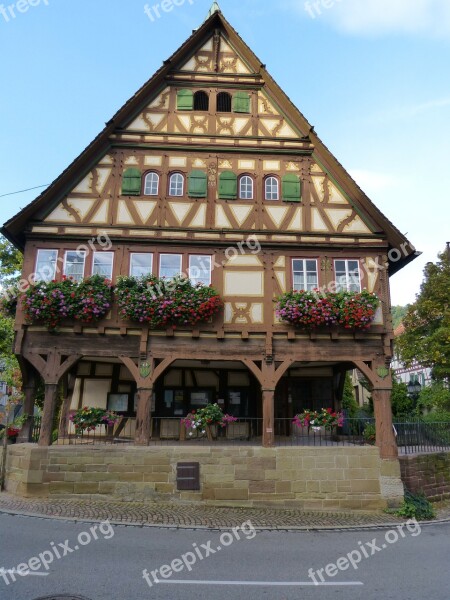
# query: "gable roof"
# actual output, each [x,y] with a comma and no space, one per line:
[14,228]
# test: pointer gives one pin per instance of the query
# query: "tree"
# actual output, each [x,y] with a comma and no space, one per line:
[398,314]
[6,335]
[10,263]
[402,405]
[349,403]
[427,323]
[435,398]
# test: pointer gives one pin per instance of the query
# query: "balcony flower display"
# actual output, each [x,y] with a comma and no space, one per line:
[53,301]
[203,419]
[161,302]
[8,301]
[311,309]
[87,419]
[316,420]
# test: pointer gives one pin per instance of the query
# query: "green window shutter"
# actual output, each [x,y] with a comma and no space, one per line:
[228,185]
[185,100]
[241,102]
[131,182]
[291,188]
[198,184]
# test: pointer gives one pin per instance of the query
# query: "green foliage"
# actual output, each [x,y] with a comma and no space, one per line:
[10,263]
[398,314]
[435,398]
[402,405]
[427,323]
[369,433]
[6,335]
[87,419]
[161,302]
[349,403]
[416,507]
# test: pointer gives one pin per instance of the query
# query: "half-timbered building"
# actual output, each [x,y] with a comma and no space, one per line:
[209,170]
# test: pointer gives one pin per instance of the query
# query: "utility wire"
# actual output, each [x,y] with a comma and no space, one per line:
[27,190]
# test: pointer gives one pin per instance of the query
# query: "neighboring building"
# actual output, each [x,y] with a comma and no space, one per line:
[415,373]
[210,154]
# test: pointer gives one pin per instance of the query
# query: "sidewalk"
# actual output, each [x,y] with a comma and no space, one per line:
[196,516]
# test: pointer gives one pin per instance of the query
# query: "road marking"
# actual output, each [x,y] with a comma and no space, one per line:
[261,583]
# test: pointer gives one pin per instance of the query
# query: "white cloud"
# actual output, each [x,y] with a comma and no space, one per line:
[378,17]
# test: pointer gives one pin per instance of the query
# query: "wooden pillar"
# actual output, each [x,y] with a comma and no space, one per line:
[383,422]
[69,385]
[268,402]
[29,391]
[144,417]
[51,391]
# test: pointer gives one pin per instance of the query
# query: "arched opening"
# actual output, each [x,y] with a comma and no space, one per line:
[224,102]
[201,101]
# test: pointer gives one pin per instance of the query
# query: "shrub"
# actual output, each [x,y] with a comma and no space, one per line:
[416,507]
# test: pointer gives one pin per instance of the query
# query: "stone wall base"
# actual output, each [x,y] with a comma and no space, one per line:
[332,478]
[427,474]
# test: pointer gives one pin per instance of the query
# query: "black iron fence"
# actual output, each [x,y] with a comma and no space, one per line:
[412,437]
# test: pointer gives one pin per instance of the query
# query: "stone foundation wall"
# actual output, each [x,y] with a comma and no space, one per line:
[337,478]
[427,474]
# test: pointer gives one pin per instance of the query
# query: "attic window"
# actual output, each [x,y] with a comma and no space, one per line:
[224,102]
[201,101]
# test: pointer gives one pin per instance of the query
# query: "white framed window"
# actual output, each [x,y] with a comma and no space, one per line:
[246,188]
[169,265]
[348,277]
[46,265]
[141,264]
[304,274]
[151,185]
[102,264]
[176,185]
[74,262]
[272,188]
[200,268]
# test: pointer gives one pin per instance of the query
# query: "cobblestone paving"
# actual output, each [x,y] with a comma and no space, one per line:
[191,516]
[185,515]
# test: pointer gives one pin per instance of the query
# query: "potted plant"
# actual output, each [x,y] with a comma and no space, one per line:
[202,420]
[320,420]
[88,419]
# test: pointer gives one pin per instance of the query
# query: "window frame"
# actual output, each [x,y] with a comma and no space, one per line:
[230,98]
[183,184]
[266,180]
[180,272]
[84,253]
[102,252]
[36,271]
[339,287]
[197,94]
[305,273]
[200,256]
[158,181]
[241,178]
[140,254]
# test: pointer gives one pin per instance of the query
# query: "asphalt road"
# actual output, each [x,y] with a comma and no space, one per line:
[108,563]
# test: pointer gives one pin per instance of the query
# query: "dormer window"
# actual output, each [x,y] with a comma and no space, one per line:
[176,184]
[224,102]
[151,187]
[201,101]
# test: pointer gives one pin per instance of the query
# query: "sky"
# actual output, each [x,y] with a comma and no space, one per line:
[372,76]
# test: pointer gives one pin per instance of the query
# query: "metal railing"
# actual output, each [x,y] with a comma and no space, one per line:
[412,437]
